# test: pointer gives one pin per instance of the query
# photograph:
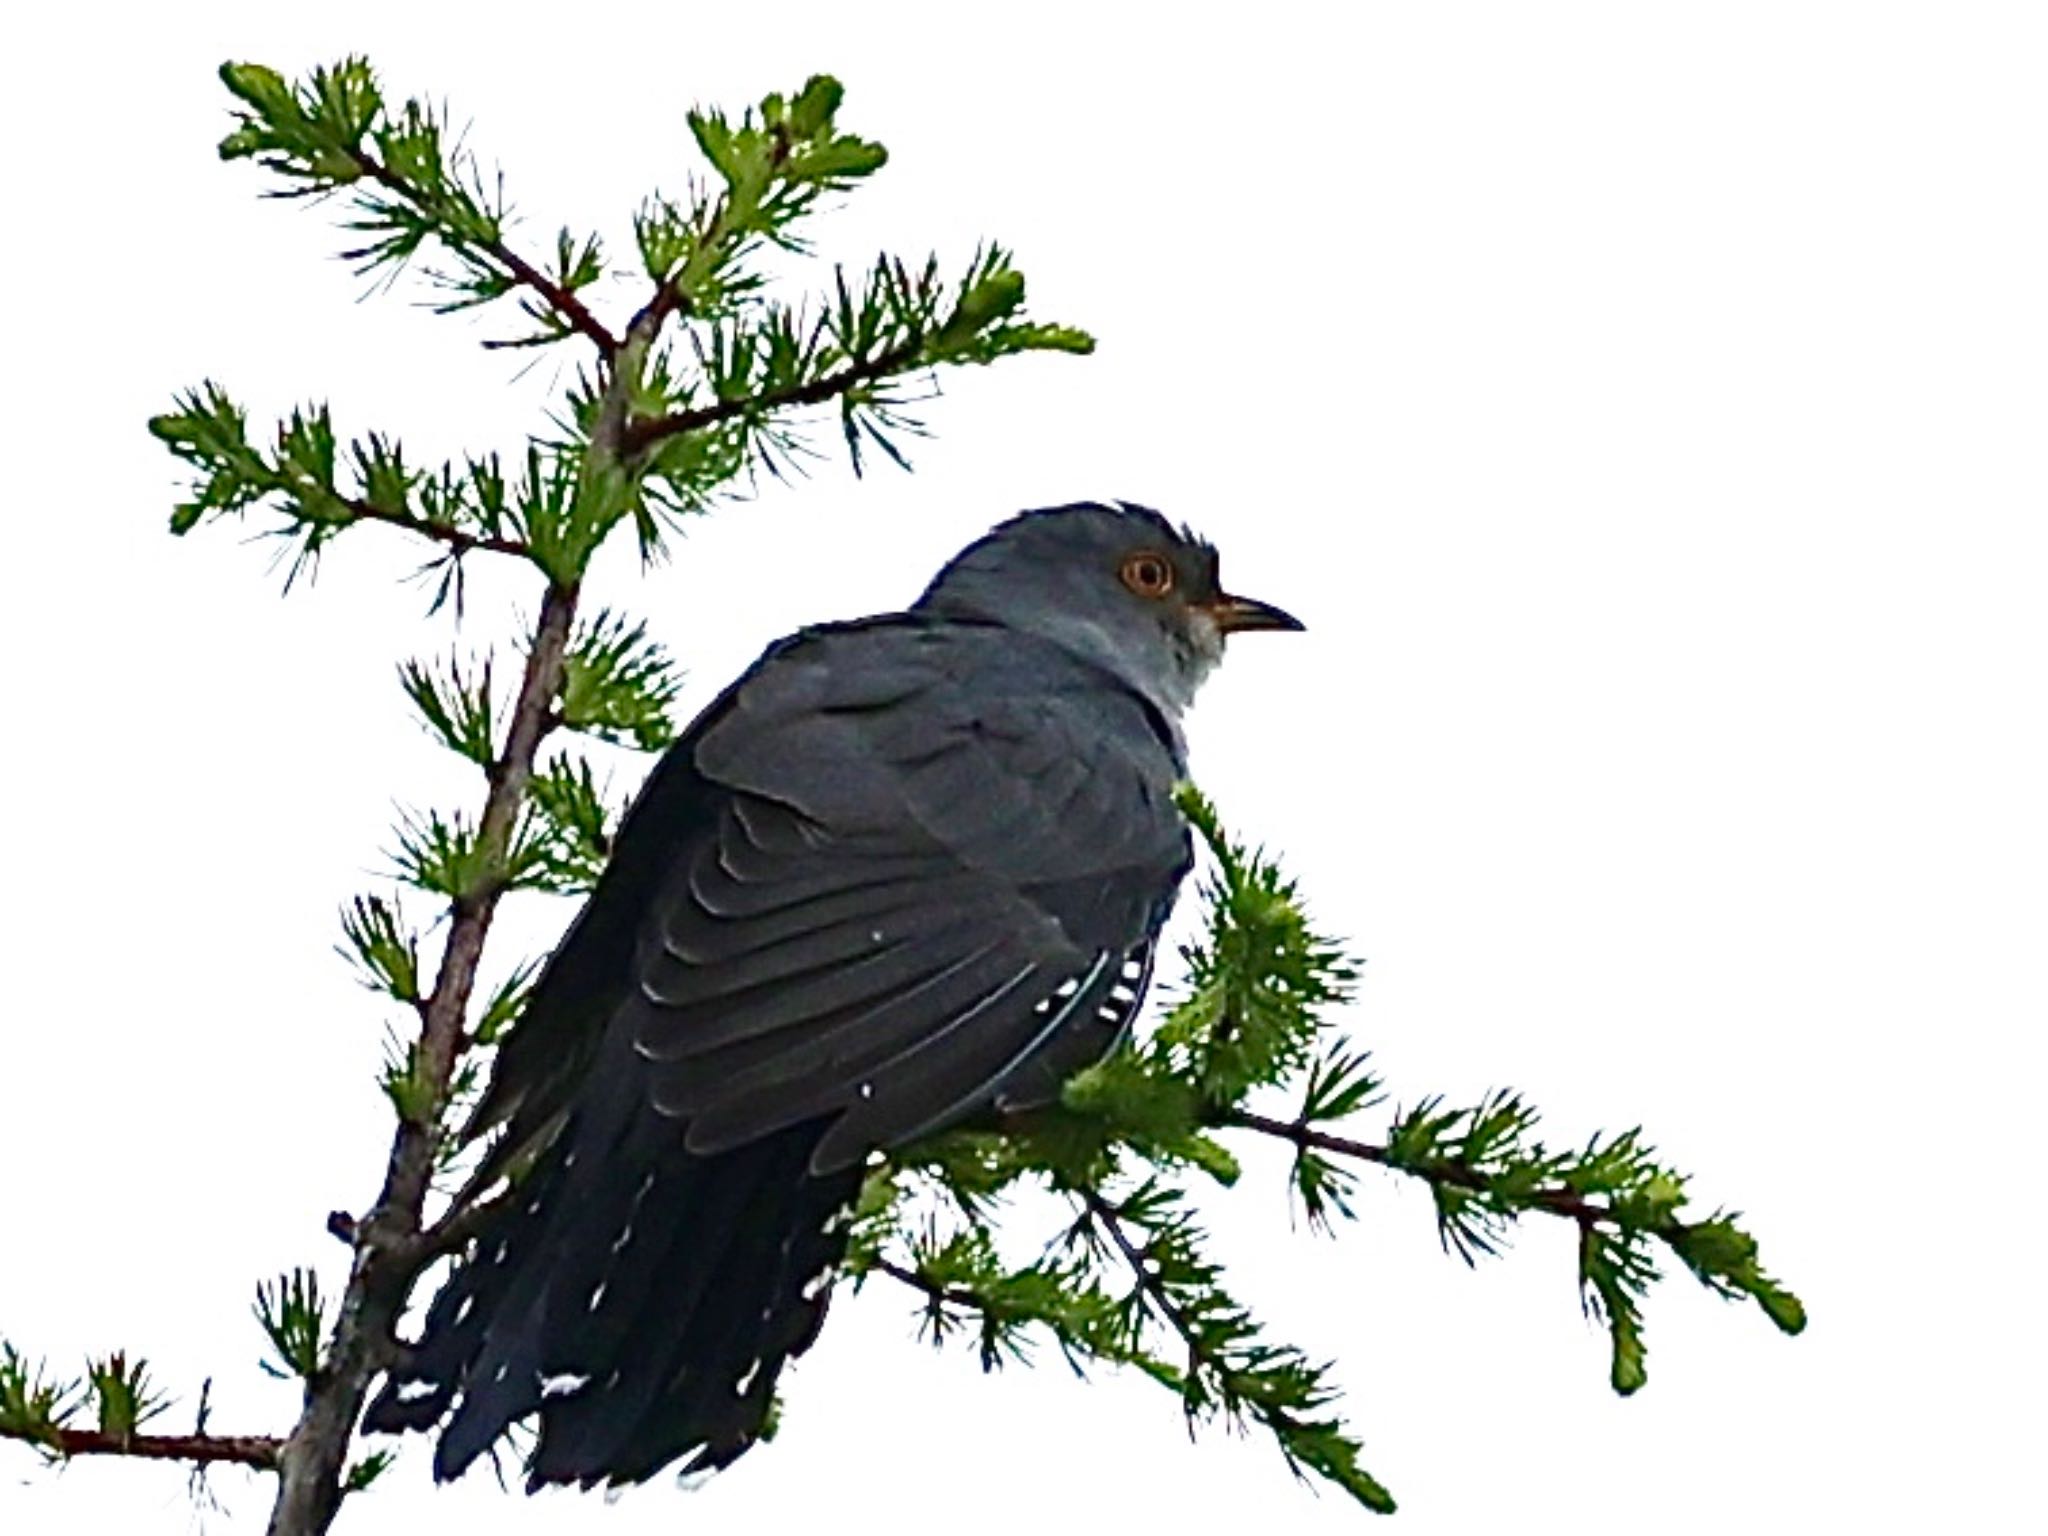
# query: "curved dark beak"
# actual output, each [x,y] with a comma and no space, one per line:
[1237,614]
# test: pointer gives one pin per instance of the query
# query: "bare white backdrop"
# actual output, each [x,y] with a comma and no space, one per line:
[1644,407]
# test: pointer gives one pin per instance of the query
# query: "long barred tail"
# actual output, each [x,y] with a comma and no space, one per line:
[640,1299]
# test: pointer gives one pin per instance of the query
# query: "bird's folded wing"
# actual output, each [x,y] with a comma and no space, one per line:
[914,884]
[888,869]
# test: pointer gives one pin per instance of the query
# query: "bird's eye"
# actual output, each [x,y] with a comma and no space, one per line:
[1148,575]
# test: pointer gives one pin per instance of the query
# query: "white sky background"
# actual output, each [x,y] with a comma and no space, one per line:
[1644,407]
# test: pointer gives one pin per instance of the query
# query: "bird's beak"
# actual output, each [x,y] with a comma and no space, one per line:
[1236,614]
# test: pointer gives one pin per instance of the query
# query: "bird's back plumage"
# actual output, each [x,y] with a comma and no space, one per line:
[904,871]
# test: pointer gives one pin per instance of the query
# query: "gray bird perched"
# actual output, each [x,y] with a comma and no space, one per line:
[907,870]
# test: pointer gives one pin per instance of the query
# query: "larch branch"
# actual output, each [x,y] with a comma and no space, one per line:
[257,1451]
[311,1461]
[460,540]
[645,433]
[1556,1200]
[557,296]
[1106,1218]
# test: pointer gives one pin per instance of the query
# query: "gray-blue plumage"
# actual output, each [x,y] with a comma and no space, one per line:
[906,871]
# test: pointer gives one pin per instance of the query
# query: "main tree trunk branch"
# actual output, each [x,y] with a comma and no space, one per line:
[311,1462]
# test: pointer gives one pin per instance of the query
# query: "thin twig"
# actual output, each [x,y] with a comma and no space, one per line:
[669,298]
[461,540]
[258,1451]
[645,433]
[1105,1216]
[559,298]
[940,1295]
[1556,1200]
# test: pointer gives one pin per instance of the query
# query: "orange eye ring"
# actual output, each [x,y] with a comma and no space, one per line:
[1147,573]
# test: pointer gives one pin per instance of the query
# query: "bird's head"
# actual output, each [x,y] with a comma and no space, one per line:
[1117,583]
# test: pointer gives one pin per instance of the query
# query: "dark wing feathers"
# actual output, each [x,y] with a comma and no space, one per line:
[937,1080]
[1088,1035]
[906,866]
[903,871]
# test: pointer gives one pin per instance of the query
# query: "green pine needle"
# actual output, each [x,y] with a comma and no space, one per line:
[384,950]
[457,709]
[124,1396]
[294,1318]
[33,1404]
[618,685]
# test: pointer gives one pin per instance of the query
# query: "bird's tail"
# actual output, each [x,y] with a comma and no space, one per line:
[640,1299]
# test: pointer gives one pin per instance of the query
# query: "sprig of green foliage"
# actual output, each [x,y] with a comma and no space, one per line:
[458,709]
[1232,1370]
[125,1398]
[34,1405]
[567,835]
[293,1317]
[44,1409]
[970,1291]
[1259,983]
[618,685]
[776,165]
[697,391]
[1254,1019]
[410,186]
[384,950]
[365,1470]
[318,487]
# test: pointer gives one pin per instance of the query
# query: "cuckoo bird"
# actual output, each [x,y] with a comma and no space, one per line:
[906,871]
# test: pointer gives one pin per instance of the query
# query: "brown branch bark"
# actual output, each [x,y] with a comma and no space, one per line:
[461,540]
[558,298]
[1105,1216]
[948,1295]
[645,433]
[1557,1201]
[311,1462]
[257,1451]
